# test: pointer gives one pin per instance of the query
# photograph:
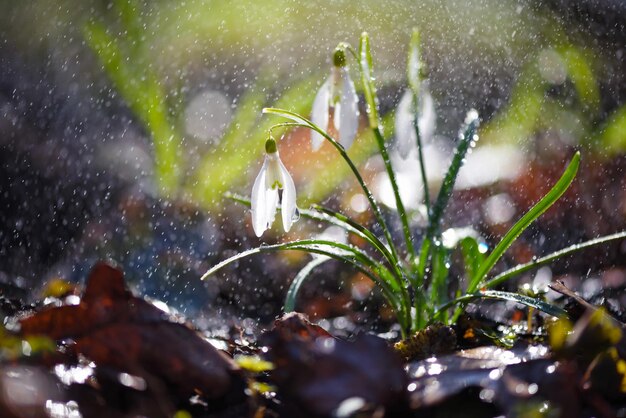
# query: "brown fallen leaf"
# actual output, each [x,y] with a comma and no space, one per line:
[114,328]
[319,376]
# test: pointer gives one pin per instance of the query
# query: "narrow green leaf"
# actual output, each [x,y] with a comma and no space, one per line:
[145,97]
[548,200]
[467,139]
[294,288]
[521,268]
[351,226]
[472,257]
[333,249]
[320,213]
[539,304]
[439,284]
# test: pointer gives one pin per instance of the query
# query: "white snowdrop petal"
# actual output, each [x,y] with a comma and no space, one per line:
[405,114]
[405,132]
[428,117]
[288,203]
[348,121]
[271,196]
[258,202]
[319,114]
[273,176]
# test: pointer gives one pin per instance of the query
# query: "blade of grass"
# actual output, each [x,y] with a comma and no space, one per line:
[363,232]
[146,98]
[331,248]
[548,200]
[539,304]
[320,213]
[414,76]
[521,268]
[356,259]
[466,140]
[294,288]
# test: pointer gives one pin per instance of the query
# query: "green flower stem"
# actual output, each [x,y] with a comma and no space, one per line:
[420,154]
[396,192]
[301,121]
[369,89]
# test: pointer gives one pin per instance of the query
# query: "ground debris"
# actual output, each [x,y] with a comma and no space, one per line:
[321,376]
[151,362]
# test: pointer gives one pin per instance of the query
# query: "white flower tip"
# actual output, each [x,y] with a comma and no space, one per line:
[319,114]
[288,204]
[347,111]
[316,141]
[258,232]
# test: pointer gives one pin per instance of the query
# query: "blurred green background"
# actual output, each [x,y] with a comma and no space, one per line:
[526,65]
[102,99]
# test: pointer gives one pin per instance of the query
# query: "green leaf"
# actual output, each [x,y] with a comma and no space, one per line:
[439,285]
[612,139]
[467,139]
[294,288]
[349,225]
[338,251]
[320,213]
[521,268]
[146,98]
[539,304]
[254,364]
[548,200]
[472,257]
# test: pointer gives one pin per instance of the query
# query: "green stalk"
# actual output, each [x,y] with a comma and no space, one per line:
[369,89]
[396,192]
[414,76]
[420,155]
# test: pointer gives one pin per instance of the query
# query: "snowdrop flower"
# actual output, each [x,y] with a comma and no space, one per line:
[264,201]
[336,93]
[406,139]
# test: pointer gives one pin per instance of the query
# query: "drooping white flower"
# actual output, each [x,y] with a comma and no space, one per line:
[406,139]
[264,201]
[337,94]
